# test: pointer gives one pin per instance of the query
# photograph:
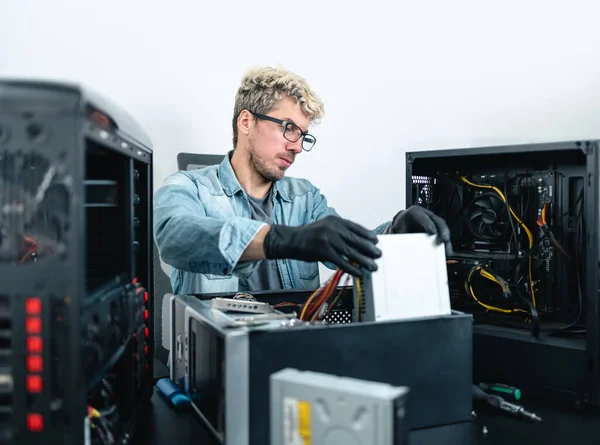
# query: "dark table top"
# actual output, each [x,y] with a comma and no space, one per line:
[561,424]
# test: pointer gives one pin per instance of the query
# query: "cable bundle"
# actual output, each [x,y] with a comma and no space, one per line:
[485,272]
[519,221]
[101,425]
[317,306]
[541,222]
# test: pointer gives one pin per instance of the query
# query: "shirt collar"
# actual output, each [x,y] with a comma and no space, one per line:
[231,185]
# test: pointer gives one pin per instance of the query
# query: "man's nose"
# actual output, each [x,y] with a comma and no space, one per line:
[296,147]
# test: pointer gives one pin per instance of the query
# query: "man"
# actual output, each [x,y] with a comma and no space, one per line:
[243,225]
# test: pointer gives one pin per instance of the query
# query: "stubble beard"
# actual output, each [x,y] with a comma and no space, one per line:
[270,174]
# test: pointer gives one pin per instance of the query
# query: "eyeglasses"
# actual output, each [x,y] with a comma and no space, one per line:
[291,131]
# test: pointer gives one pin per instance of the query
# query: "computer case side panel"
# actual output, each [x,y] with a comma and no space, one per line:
[591,227]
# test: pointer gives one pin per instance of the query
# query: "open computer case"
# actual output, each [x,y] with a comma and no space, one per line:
[524,227]
[75,263]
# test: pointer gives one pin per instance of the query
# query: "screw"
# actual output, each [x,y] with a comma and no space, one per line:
[473,414]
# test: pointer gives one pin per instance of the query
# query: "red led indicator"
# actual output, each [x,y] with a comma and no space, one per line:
[33,305]
[135,280]
[146,332]
[145,314]
[35,422]
[34,344]
[34,363]
[33,325]
[146,349]
[34,383]
[145,297]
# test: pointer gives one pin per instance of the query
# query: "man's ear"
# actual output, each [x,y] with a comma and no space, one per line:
[245,122]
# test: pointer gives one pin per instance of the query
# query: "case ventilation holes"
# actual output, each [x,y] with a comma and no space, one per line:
[339,317]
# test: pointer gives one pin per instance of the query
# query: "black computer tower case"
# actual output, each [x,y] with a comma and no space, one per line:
[75,263]
[522,218]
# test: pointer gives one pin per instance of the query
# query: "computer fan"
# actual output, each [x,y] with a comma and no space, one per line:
[487,217]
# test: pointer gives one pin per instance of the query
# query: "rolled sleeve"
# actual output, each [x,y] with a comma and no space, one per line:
[235,236]
[189,240]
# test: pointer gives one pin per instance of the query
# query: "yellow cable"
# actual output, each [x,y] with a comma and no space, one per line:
[544,214]
[487,306]
[326,288]
[521,223]
[359,297]
[308,303]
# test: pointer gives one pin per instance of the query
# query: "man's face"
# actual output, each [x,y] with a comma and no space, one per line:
[271,154]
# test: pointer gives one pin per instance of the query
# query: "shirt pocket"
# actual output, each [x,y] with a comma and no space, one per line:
[308,271]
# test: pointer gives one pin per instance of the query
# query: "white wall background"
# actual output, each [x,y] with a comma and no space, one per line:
[394,75]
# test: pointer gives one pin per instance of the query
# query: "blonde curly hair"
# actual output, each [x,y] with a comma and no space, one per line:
[262,88]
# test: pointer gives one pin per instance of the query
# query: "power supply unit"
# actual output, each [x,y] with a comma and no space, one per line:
[402,288]
[312,408]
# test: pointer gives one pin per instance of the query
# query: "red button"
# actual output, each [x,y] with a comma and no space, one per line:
[34,344]
[145,297]
[33,325]
[33,305]
[35,363]
[145,314]
[35,422]
[34,383]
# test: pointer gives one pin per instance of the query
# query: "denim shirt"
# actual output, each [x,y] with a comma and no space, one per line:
[202,226]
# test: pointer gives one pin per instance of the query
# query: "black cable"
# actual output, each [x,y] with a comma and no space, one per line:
[535,316]
[510,218]
[109,412]
[578,252]
[454,194]
[566,212]
[110,439]
[102,434]
[512,223]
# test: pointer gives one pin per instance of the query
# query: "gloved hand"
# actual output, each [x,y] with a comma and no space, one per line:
[332,239]
[417,219]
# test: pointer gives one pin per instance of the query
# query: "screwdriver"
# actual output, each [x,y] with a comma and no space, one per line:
[517,410]
[505,390]
[499,402]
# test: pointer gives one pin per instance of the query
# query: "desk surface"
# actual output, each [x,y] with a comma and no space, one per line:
[561,424]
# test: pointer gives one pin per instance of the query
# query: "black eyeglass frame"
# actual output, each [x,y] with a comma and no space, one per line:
[286,125]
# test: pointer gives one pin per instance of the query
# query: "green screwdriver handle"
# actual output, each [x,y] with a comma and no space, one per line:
[502,390]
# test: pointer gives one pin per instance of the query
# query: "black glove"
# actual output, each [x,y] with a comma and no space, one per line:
[331,239]
[417,219]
